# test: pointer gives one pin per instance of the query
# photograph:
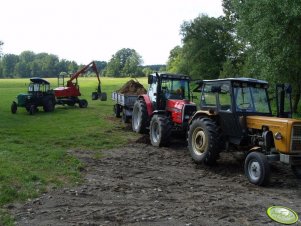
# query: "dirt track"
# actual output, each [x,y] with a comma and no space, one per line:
[143,185]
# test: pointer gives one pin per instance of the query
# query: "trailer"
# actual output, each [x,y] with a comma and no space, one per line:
[124,105]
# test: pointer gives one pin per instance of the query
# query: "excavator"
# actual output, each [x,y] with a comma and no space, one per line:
[69,94]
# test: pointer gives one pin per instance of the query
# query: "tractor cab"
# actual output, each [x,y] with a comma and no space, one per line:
[38,86]
[164,87]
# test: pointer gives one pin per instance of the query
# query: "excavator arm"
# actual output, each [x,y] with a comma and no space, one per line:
[84,70]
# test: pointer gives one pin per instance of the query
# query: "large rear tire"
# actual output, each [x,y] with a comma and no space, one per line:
[160,130]
[204,141]
[257,168]
[48,105]
[140,117]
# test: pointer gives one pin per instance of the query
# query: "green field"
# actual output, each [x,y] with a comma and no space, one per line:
[34,149]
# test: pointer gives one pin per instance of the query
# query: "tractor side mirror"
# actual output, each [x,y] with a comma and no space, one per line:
[150,79]
[284,100]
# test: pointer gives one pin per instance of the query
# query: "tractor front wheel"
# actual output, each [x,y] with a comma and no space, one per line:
[160,130]
[32,109]
[257,168]
[204,141]
[14,107]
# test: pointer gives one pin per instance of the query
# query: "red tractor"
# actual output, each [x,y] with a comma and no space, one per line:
[165,108]
[69,94]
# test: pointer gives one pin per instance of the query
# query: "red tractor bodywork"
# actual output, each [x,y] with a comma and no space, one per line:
[176,108]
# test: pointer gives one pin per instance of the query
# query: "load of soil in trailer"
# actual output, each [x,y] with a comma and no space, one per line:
[132,88]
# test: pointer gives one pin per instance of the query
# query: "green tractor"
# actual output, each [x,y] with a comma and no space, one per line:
[39,95]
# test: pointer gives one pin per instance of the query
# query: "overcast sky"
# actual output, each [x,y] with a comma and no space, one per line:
[86,30]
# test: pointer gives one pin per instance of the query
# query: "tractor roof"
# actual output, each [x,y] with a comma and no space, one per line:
[172,76]
[242,79]
[39,80]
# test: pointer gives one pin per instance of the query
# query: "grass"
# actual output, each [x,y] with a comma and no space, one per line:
[34,149]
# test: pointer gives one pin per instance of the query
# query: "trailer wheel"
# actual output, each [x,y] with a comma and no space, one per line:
[14,107]
[296,170]
[94,96]
[103,96]
[257,168]
[139,117]
[160,130]
[125,118]
[83,103]
[117,110]
[204,141]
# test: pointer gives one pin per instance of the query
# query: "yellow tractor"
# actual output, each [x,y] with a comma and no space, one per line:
[236,113]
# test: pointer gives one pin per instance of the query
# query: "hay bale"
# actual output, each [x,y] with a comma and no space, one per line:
[132,88]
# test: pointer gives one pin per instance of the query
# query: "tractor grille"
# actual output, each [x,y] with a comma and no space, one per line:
[296,139]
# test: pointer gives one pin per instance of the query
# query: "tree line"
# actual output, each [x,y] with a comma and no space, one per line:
[125,62]
[259,39]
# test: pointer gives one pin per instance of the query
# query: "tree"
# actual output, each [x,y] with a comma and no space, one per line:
[272,30]
[175,64]
[205,47]
[1,43]
[9,62]
[125,62]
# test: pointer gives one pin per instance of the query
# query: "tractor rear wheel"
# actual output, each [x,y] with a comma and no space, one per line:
[83,103]
[204,141]
[160,130]
[14,107]
[48,105]
[257,168]
[139,117]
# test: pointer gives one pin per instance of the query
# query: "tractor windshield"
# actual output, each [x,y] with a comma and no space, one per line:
[251,98]
[176,89]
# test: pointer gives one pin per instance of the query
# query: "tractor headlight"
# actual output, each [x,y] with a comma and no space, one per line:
[278,136]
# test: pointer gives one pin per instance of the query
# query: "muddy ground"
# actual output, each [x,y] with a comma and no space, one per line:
[143,185]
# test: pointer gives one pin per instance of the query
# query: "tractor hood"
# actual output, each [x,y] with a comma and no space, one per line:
[22,99]
[177,104]
[289,139]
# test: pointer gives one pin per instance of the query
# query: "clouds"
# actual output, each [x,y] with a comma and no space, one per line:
[94,30]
